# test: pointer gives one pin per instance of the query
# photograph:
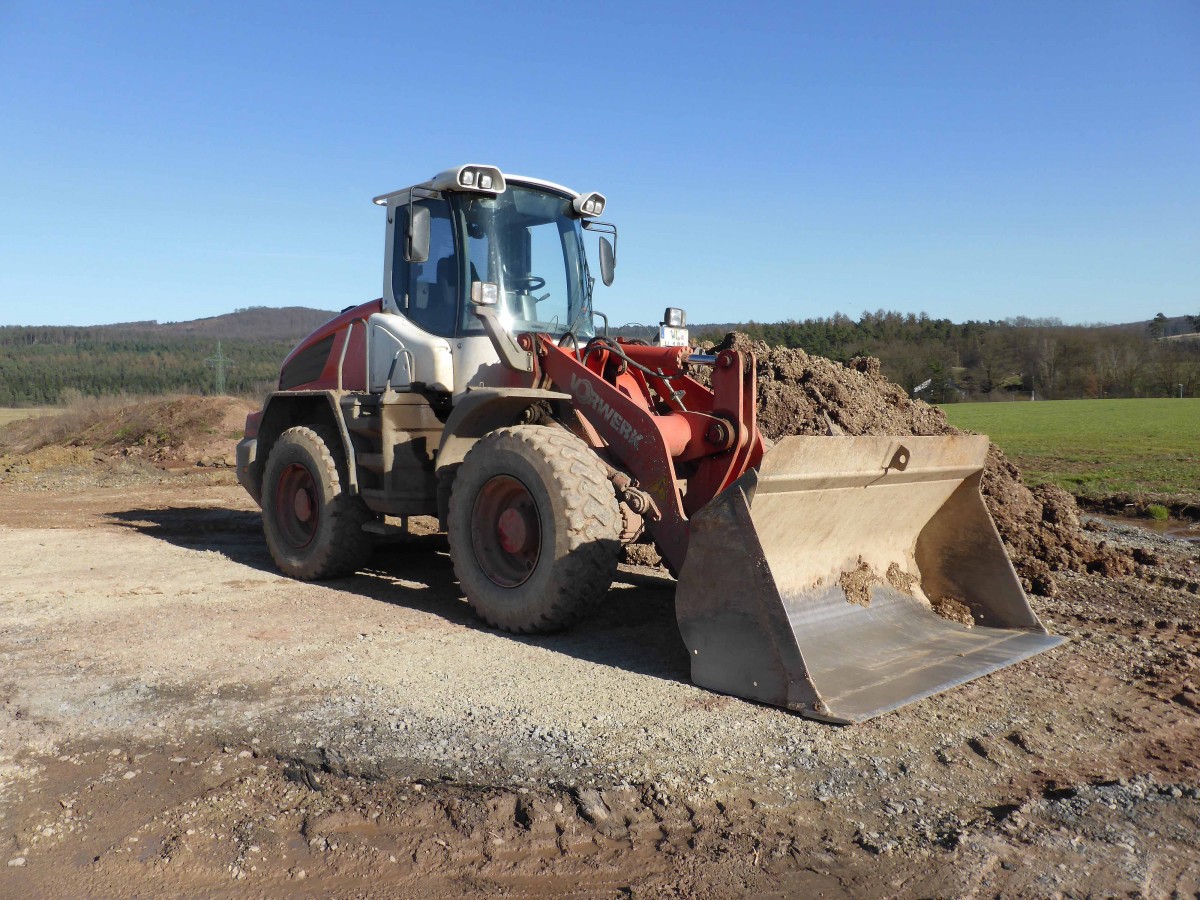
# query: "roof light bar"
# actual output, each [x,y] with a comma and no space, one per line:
[588,206]
[486,179]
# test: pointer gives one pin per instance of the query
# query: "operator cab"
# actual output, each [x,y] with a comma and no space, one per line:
[470,228]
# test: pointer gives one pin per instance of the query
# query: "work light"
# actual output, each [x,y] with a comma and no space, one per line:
[470,178]
[588,205]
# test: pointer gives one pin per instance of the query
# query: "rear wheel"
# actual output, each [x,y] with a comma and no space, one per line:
[312,525]
[534,528]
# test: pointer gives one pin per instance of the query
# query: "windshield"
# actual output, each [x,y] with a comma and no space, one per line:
[527,242]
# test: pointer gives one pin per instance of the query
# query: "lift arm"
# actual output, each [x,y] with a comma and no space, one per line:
[664,427]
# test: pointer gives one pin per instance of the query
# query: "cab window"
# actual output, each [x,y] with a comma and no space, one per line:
[427,293]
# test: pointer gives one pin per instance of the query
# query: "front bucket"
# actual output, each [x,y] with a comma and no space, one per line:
[812,582]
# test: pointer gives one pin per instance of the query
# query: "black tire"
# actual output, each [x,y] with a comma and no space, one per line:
[534,528]
[312,526]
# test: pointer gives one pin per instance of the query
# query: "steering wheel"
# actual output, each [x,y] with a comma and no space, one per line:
[529,283]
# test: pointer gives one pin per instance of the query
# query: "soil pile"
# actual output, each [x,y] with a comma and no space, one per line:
[45,458]
[803,394]
[184,430]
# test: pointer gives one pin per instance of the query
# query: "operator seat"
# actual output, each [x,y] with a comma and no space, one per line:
[443,298]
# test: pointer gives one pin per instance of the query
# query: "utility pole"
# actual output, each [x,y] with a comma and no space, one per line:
[220,362]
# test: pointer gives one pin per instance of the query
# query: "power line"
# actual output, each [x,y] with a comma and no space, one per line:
[220,362]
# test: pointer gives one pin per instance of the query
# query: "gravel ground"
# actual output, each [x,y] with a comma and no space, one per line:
[178,719]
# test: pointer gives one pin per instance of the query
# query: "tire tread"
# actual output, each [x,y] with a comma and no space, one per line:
[583,576]
[348,546]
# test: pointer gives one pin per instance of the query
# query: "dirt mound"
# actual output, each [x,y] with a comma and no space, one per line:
[45,458]
[803,394]
[169,430]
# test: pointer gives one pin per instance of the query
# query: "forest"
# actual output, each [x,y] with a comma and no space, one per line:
[937,359]
[946,362]
[40,365]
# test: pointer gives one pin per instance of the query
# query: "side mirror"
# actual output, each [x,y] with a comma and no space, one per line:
[416,247]
[608,261]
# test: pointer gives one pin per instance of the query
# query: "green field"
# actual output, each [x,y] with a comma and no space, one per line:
[12,414]
[1095,448]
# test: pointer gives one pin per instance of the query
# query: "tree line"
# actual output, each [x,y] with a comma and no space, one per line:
[39,369]
[945,362]
[41,364]
[940,360]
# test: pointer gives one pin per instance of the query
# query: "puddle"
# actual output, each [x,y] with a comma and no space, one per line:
[1172,528]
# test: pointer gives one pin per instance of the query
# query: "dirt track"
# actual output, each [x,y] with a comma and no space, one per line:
[177,719]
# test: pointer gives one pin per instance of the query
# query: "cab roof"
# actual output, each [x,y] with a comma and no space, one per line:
[389,198]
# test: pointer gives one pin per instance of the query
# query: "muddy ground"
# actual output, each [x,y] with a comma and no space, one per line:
[176,719]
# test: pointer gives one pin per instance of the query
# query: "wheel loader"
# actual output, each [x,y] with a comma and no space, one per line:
[479,389]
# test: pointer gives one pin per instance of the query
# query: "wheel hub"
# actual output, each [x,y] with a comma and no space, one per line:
[514,531]
[296,506]
[506,531]
[303,506]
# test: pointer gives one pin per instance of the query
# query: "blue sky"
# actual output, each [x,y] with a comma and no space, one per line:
[763,161]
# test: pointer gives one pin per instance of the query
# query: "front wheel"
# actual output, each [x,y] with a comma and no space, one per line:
[534,528]
[312,525]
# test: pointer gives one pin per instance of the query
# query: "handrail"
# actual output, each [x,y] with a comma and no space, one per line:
[346,345]
[410,360]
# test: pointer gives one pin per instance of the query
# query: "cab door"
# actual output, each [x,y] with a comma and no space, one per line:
[410,341]
[427,293]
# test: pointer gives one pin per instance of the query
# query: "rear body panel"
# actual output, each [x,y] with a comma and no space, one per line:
[333,357]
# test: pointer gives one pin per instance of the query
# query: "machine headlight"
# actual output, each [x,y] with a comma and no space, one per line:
[470,178]
[485,293]
[588,205]
[674,317]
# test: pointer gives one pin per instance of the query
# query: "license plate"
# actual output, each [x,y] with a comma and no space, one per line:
[672,337]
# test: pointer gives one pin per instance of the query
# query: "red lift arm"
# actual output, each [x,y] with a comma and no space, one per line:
[682,442]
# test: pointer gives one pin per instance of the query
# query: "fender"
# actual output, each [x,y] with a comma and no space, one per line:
[480,411]
[283,410]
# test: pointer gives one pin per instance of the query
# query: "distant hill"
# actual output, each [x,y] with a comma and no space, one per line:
[254,322]
[43,364]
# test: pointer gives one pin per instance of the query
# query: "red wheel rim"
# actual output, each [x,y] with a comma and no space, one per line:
[297,506]
[506,531]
